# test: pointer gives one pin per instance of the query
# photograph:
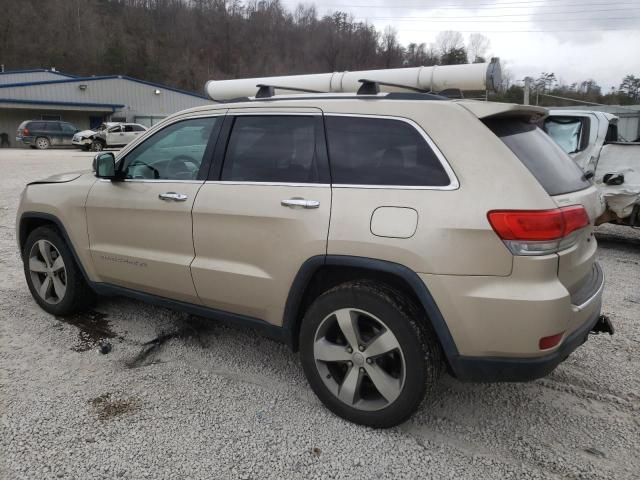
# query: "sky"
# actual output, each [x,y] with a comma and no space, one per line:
[575,39]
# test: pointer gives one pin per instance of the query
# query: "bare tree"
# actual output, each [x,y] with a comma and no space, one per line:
[447,41]
[477,48]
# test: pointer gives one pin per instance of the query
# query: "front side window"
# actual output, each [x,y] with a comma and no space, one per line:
[68,128]
[54,127]
[271,148]
[174,153]
[380,151]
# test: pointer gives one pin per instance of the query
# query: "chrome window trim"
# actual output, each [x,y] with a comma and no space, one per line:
[317,112]
[151,180]
[267,184]
[454,183]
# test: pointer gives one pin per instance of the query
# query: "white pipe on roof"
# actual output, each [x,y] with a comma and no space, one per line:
[468,77]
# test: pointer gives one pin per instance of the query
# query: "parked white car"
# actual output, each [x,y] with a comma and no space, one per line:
[108,135]
[591,139]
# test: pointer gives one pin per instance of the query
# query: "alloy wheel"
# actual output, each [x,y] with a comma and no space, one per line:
[48,272]
[359,359]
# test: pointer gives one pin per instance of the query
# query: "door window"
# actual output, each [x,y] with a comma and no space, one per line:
[68,128]
[380,151]
[174,153]
[271,148]
[54,127]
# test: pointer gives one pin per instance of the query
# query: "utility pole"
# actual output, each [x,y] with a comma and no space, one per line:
[527,89]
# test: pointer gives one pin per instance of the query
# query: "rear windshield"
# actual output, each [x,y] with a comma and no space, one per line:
[554,169]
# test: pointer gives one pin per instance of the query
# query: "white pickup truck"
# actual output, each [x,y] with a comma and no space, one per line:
[591,139]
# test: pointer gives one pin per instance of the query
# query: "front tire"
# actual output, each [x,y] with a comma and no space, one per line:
[368,354]
[42,143]
[54,279]
[97,146]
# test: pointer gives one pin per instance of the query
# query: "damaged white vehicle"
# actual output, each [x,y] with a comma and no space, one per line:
[108,135]
[591,139]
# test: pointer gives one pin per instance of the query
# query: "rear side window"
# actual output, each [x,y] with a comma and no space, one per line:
[380,151]
[270,148]
[552,167]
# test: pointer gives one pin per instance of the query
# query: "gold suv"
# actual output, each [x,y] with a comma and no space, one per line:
[386,238]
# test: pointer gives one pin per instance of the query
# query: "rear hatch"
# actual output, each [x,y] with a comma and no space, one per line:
[565,182]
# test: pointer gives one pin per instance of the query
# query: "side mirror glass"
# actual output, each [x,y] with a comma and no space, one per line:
[104,164]
[613,178]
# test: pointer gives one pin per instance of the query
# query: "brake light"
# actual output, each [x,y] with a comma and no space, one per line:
[538,232]
[25,132]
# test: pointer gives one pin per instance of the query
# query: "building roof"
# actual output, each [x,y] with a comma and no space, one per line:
[111,106]
[104,77]
[37,70]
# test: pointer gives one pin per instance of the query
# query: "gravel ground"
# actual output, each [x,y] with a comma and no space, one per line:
[204,401]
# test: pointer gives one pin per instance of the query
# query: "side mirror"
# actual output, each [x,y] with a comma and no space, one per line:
[104,164]
[613,178]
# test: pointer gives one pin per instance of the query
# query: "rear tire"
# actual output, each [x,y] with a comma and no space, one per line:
[54,279]
[377,374]
[42,143]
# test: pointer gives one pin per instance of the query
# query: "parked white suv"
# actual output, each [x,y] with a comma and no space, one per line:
[108,135]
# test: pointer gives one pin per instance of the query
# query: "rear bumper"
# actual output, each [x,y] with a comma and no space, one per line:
[501,369]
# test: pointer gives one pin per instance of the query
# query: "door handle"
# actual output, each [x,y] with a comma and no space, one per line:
[176,197]
[300,202]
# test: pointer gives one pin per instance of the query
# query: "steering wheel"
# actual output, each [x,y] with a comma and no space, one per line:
[178,167]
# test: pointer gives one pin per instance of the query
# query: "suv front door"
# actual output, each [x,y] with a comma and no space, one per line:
[263,211]
[140,229]
[115,136]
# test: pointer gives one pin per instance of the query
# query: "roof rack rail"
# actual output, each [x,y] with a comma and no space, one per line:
[372,87]
[266,91]
[452,93]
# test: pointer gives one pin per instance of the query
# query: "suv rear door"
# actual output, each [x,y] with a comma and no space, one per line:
[140,229]
[263,212]
[68,131]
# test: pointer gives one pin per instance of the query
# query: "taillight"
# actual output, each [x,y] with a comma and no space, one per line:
[538,232]
[25,132]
